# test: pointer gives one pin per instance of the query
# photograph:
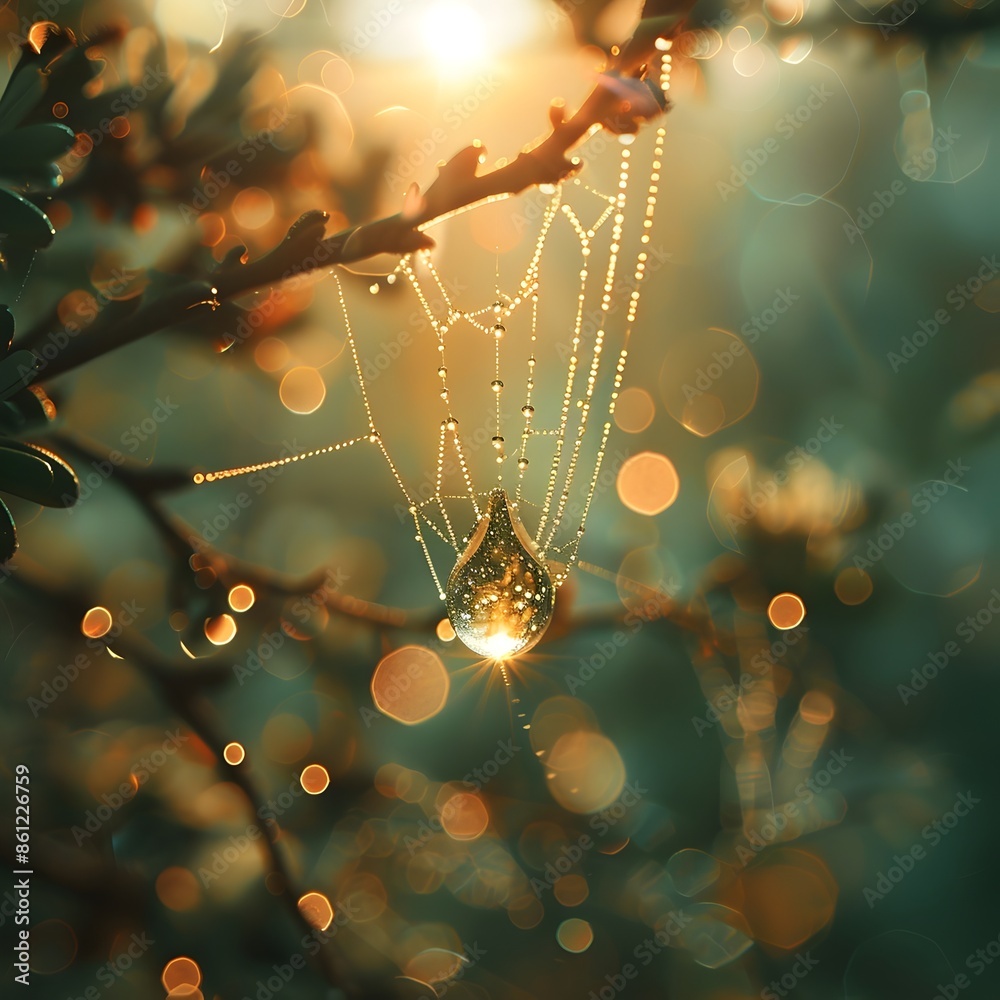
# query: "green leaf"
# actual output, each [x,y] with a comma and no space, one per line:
[6,328]
[25,475]
[35,146]
[25,412]
[29,79]
[64,490]
[16,371]
[46,179]
[24,90]
[23,222]
[8,536]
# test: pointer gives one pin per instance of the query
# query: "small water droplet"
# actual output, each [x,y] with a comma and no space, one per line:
[499,330]
[528,411]
[497,385]
[487,590]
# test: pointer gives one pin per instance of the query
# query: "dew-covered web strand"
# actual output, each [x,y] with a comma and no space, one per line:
[491,320]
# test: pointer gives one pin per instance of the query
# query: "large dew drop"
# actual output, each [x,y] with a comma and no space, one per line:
[500,596]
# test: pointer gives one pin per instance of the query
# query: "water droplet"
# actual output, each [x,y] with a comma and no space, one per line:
[528,411]
[500,596]
[497,385]
[442,371]
[499,330]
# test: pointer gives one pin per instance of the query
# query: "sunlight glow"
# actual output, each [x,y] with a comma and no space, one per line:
[454,35]
[501,645]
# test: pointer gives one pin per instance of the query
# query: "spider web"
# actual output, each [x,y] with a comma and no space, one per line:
[554,434]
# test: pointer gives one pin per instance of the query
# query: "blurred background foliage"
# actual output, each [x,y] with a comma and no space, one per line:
[182,665]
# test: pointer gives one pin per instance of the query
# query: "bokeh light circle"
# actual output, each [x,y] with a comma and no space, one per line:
[302,390]
[96,623]
[575,935]
[315,779]
[786,611]
[648,483]
[181,971]
[316,910]
[464,816]
[410,685]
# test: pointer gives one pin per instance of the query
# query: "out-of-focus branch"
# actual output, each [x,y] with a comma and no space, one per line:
[186,699]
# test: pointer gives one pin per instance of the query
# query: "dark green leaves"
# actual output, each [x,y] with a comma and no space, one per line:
[16,371]
[37,474]
[34,144]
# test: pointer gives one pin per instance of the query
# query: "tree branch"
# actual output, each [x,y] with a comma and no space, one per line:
[621,102]
[185,699]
